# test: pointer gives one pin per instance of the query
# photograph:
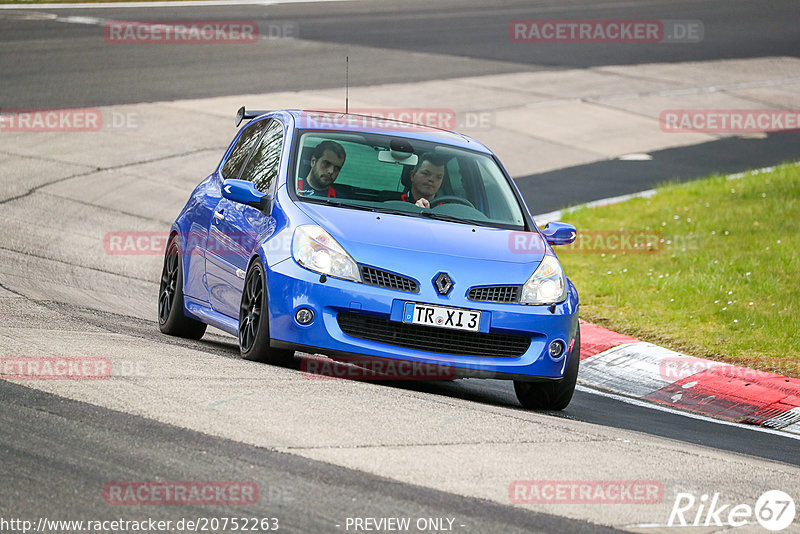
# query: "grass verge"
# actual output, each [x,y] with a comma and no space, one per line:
[710,268]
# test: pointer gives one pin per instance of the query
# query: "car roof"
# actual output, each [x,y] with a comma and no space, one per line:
[357,123]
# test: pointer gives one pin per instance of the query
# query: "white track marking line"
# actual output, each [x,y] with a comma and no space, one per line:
[551,216]
[556,215]
[653,406]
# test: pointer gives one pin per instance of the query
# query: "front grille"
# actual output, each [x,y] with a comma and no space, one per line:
[432,339]
[495,293]
[377,277]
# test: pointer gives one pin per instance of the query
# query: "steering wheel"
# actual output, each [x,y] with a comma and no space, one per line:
[452,199]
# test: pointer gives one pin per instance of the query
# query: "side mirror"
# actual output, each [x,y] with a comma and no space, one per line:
[244,192]
[558,233]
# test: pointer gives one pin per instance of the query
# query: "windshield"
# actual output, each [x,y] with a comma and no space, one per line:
[404,176]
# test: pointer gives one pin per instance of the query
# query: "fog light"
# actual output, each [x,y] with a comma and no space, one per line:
[304,316]
[556,349]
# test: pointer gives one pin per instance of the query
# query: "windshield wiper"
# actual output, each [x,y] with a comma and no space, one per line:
[450,218]
[330,202]
[425,213]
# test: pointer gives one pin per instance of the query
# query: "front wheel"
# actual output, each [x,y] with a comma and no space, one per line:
[554,395]
[254,320]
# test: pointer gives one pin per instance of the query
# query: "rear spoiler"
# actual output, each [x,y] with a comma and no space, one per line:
[248,114]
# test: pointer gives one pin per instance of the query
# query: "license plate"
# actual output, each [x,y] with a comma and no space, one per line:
[441,316]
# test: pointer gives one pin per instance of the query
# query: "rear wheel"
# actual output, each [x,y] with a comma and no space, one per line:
[254,320]
[554,395]
[171,319]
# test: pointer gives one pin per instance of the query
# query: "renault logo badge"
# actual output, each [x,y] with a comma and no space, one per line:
[443,283]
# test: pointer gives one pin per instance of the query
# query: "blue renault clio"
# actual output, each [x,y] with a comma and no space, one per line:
[371,240]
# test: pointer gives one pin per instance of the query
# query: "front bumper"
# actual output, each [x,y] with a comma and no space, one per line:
[292,287]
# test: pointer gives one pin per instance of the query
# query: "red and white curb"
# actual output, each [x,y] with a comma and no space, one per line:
[634,368]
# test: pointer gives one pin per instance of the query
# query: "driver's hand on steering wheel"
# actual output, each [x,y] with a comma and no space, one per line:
[423,203]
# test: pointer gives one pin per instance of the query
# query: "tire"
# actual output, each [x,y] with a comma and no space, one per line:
[254,320]
[554,395]
[171,319]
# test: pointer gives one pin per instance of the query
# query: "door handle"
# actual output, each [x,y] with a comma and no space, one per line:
[218,215]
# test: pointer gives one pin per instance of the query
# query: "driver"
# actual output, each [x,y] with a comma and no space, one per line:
[326,162]
[426,179]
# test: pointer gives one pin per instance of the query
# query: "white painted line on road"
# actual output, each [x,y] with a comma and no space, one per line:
[667,525]
[80,20]
[738,175]
[793,428]
[690,415]
[636,156]
[188,3]
[783,420]
[556,215]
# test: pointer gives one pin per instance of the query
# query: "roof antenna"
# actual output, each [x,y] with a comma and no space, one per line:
[347,85]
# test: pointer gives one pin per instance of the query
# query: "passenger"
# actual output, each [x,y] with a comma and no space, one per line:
[326,162]
[426,180]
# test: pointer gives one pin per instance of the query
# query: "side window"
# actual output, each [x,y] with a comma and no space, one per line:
[262,168]
[242,148]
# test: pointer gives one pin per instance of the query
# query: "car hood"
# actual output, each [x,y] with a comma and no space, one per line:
[366,235]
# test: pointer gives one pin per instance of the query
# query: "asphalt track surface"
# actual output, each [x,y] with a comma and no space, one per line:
[57,453]
[93,446]
[610,178]
[50,64]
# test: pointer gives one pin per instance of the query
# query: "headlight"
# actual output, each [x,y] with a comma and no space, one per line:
[316,250]
[547,285]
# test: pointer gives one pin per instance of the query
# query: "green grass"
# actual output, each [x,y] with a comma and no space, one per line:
[725,282]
